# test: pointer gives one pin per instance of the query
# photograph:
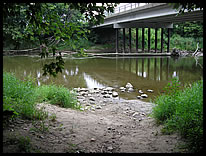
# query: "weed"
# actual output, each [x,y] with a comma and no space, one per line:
[182,111]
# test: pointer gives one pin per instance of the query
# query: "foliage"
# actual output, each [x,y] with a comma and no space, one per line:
[187,6]
[182,112]
[57,95]
[19,97]
[50,23]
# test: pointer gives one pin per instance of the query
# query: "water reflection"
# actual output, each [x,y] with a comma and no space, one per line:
[91,83]
[144,73]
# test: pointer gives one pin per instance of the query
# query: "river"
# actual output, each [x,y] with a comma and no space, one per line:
[142,72]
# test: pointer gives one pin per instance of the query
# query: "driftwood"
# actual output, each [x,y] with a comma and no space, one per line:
[196,55]
[25,50]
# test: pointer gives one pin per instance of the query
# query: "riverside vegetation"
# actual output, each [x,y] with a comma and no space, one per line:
[178,109]
[181,110]
[20,97]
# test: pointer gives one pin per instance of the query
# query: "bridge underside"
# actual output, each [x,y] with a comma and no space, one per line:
[154,15]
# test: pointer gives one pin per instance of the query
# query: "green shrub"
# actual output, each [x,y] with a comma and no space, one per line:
[182,112]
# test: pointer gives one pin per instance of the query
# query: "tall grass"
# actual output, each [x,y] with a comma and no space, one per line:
[182,111]
[57,95]
[21,97]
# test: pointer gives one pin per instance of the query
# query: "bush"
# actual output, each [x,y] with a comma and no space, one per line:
[183,112]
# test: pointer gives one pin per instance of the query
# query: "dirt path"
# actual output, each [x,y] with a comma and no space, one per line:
[117,126]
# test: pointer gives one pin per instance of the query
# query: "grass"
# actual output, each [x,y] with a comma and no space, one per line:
[21,97]
[181,110]
[57,95]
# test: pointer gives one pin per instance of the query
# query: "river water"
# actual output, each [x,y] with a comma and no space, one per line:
[142,72]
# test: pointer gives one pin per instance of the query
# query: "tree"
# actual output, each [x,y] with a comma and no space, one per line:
[49,23]
[187,6]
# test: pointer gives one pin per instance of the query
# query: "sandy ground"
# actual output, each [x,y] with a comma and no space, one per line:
[117,126]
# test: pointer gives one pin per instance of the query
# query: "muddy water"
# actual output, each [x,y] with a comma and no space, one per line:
[142,72]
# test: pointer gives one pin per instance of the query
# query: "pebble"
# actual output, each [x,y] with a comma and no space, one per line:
[92,98]
[135,114]
[92,139]
[130,89]
[114,94]
[140,91]
[150,90]
[110,148]
[139,97]
[129,85]
[144,95]
[122,88]
[98,107]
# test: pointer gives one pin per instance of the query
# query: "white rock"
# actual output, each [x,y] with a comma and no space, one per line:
[98,107]
[144,95]
[150,90]
[114,94]
[110,148]
[139,97]
[130,89]
[109,89]
[122,88]
[140,91]
[93,139]
[129,85]
[106,96]
[135,114]
[83,89]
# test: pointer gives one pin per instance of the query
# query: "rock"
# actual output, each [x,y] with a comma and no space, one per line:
[144,95]
[82,109]
[92,102]
[92,108]
[110,148]
[129,85]
[98,107]
[122,88]
[83,89]
[139,97]
[92,139]
[150,90]
[84,93]
[140,91]
[92,99]
[114,94]
[109,89]
[130,90]
[106,96]
[135,114]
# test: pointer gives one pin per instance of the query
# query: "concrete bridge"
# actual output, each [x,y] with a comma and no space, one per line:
[151,15]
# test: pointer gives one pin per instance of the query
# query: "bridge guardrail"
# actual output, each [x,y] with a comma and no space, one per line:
[125,8]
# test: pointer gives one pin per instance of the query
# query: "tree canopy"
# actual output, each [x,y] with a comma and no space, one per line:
[45,24]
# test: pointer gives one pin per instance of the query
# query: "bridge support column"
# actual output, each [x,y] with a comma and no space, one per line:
[148,40]
[123,40]
[142,39]
[168,43]
[117,40]
[130,41]
[162,31]
[156,40]
[136,40]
